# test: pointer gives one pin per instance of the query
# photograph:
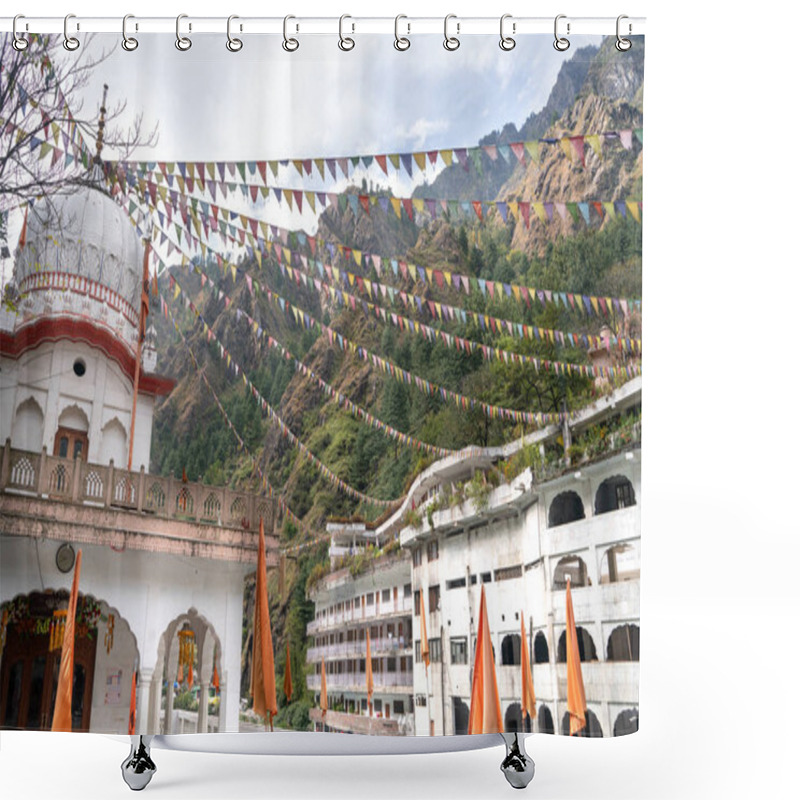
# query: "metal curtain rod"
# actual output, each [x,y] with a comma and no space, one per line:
[459,26]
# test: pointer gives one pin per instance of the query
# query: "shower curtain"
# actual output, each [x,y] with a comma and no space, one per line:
[321,379]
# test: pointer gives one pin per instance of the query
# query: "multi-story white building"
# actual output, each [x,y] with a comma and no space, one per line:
[520,538]
[365,592]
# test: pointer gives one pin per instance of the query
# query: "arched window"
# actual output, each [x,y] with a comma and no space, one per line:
[586,647]
[28,429]
[510,650]
[544,720]
[566,507]
[623,644]
[541,652]
[574,568]
[627,721]
[620,563]
[460,716]
[592,728]
[613,493]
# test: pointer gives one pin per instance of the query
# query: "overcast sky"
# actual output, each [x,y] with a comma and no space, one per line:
[265,103]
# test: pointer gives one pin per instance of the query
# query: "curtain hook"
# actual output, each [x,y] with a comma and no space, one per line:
[451,42]
[507,42]
[183,43]
[289,44]
[128,42]
[401,42]
[233,44]
[346,43]
[70,42]
[622,44]
[561,43]
[20,42]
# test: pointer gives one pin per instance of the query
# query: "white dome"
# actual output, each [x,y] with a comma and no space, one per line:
[84,232]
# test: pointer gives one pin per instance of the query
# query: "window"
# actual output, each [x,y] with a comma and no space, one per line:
[458,650]
[433,598]
[407,590]
[473,579]
[416,603]
[510,650]
[420,700]
[574,568]
[386,596]
[391,665]
[63,447]
[613,493]
[457,583]
[398,707]
[377,705]
[624,495]
[486,577]
[566,507]
[435,646]
[370,599]
[416,555]
[417,653]
[79,367]
[433,550]
[507,573]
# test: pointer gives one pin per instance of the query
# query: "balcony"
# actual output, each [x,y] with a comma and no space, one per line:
[373,613]
[77,501]
[357,723]
[379,647]
[393,682]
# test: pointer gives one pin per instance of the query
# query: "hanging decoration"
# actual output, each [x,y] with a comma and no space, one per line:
[186,656]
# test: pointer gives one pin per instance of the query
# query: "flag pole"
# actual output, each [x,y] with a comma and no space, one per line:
[144,308]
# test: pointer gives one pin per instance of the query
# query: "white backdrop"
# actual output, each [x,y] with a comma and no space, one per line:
[720,541]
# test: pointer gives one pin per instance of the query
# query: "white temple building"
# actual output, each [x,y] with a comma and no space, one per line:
[163,560]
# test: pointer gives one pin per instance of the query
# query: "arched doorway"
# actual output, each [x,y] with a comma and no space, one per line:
[623,643]
[72,436]
[541,652]
[460,716]
[613,493]
[514,722]
[566,507]
[182,700]
[105,655]
[544,720]
[586,647]
[627,721]
[592,729]
[510,650]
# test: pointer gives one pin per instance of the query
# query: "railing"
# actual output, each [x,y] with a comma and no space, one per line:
[107,486]
[357,649]
[368,613]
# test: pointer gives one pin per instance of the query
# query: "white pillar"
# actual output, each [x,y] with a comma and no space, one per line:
[202,711]
[223,705]
[143,721]
[170,706]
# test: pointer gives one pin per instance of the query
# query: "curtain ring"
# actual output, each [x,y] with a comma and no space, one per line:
[451,42]
[622,44]
[507,42]
[20,42]
[128,42]
[401,42]
[233,44]
[561,43]
[346,43]
[183,43]
[70,42]
[289,44]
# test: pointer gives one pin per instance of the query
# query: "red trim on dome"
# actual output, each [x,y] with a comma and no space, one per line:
[58,329]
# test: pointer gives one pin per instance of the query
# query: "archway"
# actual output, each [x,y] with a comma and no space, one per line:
[72,437]
[574,568]
[566,507]
[614,493]
[28,428]
[105,655]
[113,444]
[627,721]
[620,563]
[514,721]
[592,729]
[586,647]
[623,643]
[193,688]
[510,650]
[460,716]
[544,720]
[541,652]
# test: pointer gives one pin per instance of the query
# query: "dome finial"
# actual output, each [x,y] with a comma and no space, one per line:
[101,125]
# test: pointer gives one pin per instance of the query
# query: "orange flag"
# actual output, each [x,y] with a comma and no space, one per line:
[262,673]
[424,650]
[23,235]
[132,710]
[62,714]
[370,684]
[576,697]
[215,679]
[287,675]
[484,709]
[323,691]
[528,697]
